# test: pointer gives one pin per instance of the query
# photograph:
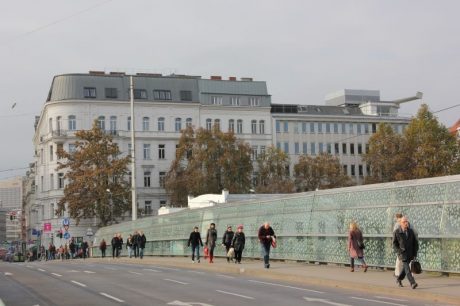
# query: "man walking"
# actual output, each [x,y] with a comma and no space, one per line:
[266,237]
[141,243]
[405,244]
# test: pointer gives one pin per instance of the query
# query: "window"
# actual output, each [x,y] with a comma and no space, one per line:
[254,153]
[304,127]
[313,148]
[344,148]
[41,183]
[286,147]
[329,148]
[59,124]
[162,94]
[217,124]
[278,145]
[254,101]
[305,148]
[162,203]
[129,123]
[216,100]
[254,126]
[320,127]
[129,149]
[72,148]
[367,148]
[162,179]
[147,178]
[111,93]
[208,124]
[60,180]
[50,125]
[345,169]
[262,149]
[51,181]
[350,128]
[239,126]
[336,128]
[188,122]
[358,126]
[140,94]
[352,148]
[148,207]
[368,170]
[145,123]
[231,125]
[178,124]
[312,127]
[89,92]
[146,151]
[366,128]
[360,170]
[328,128]
[161,151]
[353,171]
[360,148]
[113,124]
[286,126]
[52,211]
[51,153]
[296,148]
[262,127]
[161,124]
[278,126]
[72,123]
[336,149]
[374,128]
[255,178]
[296,127]
[344,128]
[101,122]
[321,148]
[185,95]
[235,101]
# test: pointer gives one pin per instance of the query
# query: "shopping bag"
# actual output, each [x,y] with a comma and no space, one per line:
[415,266]
[273,244]
[231,252]
[206,251]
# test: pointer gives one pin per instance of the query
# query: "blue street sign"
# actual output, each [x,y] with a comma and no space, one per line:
[34,232]
[66,221]
[66,235]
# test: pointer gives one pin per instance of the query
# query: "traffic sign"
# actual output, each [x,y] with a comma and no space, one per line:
[66,222]
[66,235]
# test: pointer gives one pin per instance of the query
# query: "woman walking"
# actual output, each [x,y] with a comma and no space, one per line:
[211,238]
[238,243]
[356,246]
[227,240]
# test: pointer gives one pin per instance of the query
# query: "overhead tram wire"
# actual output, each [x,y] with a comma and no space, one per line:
[14,169]
[450,107]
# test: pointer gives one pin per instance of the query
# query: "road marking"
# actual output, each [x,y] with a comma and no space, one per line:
[90,272]
[235,294]
[72,271]
[41,270]
[227,276]
[179,303]
[109,268]
[56,274]
[284,286]
[391,299]
[79,284]
[8,273]
[137,273]
[198,272]
[175,281]
[173,269]
[152,270]
[111,297]
[324,301]
[376,301]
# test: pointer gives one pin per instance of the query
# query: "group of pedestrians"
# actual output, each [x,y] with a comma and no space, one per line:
[69,250]
[135,244]
[405,244]
[232,242]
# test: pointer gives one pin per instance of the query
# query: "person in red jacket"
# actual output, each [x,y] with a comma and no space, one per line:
[266,237]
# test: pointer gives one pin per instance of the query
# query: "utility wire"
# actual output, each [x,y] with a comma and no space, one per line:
[14,169]
[441,110]
[40,28]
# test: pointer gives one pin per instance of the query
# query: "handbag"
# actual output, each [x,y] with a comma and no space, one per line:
[361,244]
[231,252]
[273,244]
[206,251]
[415,266]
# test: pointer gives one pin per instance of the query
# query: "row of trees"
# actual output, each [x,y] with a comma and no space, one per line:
[208,161]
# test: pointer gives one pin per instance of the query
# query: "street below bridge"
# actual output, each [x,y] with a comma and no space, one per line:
[179,282]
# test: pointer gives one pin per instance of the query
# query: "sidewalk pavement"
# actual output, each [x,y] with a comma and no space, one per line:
[432,287]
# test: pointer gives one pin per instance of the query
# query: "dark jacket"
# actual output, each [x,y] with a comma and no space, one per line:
[405,247]
[228,237]
[141,241]
[353,246]
[195,239]
[238,241]
[263,233]
[114,242]
[135,240]
[211,237]
[103,245]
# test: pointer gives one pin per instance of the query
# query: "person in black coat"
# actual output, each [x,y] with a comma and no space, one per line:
[141,243]
[227,240]
[195,241]
[266,237]
[405,244]
[211,238]
[238,243]
[114,244]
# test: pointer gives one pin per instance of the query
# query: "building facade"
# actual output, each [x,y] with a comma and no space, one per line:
[164,105]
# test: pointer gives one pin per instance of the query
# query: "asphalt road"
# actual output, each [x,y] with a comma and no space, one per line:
[82,283]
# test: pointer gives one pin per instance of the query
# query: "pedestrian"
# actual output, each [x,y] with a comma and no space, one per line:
[398,263]
[114,244]
[129,245]
[103,247]
[84,247]
[405,244]
[356,246]
[211,238]
[72,249]
[135,243]
[227,241]
[119,245]
[238,242]
[266,236]
[141,242]
[195,241]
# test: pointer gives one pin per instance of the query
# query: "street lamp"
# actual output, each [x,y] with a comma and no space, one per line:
[111,205]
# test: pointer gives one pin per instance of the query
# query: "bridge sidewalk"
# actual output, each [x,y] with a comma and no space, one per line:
[432,286]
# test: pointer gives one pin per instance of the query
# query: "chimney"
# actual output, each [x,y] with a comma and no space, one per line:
[232,78]
[225,195]
[216,77]
[116,73]
[94,72]
[246,79]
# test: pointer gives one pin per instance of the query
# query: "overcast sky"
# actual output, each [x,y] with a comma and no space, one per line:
[302,49]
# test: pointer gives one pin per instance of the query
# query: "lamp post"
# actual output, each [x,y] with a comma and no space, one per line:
[133,153]
[111,205]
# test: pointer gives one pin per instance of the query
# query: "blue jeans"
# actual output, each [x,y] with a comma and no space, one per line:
[265,250]
[141,252]
[197,249]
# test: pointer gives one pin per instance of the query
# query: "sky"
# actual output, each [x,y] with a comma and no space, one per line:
[302,49]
